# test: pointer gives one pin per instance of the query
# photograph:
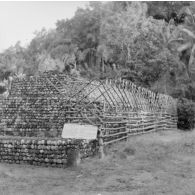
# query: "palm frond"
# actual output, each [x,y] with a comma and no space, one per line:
[175,40]
[188,11]
[184,47]
[191,61]
[191,34]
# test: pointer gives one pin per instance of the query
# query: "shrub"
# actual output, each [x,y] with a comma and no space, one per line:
[2,89]
[186,114]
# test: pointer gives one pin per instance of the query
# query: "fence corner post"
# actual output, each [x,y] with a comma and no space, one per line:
[101,144]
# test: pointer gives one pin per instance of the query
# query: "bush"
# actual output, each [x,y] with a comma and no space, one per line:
[186,114]
[2,89]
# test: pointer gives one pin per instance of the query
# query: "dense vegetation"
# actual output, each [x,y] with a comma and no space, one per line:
[186,114]
[149,43]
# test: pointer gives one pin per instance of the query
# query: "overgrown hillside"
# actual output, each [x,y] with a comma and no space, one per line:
[149,43]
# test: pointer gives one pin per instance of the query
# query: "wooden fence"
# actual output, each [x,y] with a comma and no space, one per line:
[116,130]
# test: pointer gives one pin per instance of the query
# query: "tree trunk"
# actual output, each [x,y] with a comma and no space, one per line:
[191,66]
[102,66]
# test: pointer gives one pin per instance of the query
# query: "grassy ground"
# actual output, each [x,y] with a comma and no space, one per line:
[153,164]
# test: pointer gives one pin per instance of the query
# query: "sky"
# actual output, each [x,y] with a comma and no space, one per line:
[19,20]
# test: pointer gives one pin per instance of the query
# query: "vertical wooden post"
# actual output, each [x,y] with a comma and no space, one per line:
[156,121]
[101,144]
[126,130]
[73,157]
[104,106]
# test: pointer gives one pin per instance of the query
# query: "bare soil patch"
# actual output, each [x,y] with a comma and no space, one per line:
[152,164]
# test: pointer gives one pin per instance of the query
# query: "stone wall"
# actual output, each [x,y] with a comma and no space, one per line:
[42,152]
[35,108]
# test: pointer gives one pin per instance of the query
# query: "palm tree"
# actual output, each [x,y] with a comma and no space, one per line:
[188,45]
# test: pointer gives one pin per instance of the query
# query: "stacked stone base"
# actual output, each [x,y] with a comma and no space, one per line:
[43,152]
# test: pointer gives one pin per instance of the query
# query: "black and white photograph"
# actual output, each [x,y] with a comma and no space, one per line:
[97,98]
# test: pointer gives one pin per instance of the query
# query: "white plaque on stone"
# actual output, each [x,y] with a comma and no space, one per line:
[78,131]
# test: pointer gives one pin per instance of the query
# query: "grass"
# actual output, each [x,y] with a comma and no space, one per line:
[153,164]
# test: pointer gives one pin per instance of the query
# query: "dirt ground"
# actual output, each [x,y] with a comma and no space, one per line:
[152,164]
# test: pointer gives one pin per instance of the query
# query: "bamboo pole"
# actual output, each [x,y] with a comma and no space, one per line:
[101,144]
[112,141]
[117,95]
[124,91]
[114,98]
[118,87]
[107,93]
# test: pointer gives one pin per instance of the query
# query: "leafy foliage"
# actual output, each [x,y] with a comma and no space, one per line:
[187,47]
[186,114]
[119,30]
[166,10]
[2,89]
[140,41]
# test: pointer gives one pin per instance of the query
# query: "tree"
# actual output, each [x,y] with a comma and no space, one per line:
[12,61]
[187,47]
[166,10]
[83,31]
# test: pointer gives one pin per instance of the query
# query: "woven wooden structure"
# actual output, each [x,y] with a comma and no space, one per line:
[39,107]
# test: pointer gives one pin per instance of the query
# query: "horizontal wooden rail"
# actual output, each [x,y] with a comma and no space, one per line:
[113,128]
[112,141]
[114,122]
[143,132]
[74,117]
[114,134]
[141,124]
[142,128]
